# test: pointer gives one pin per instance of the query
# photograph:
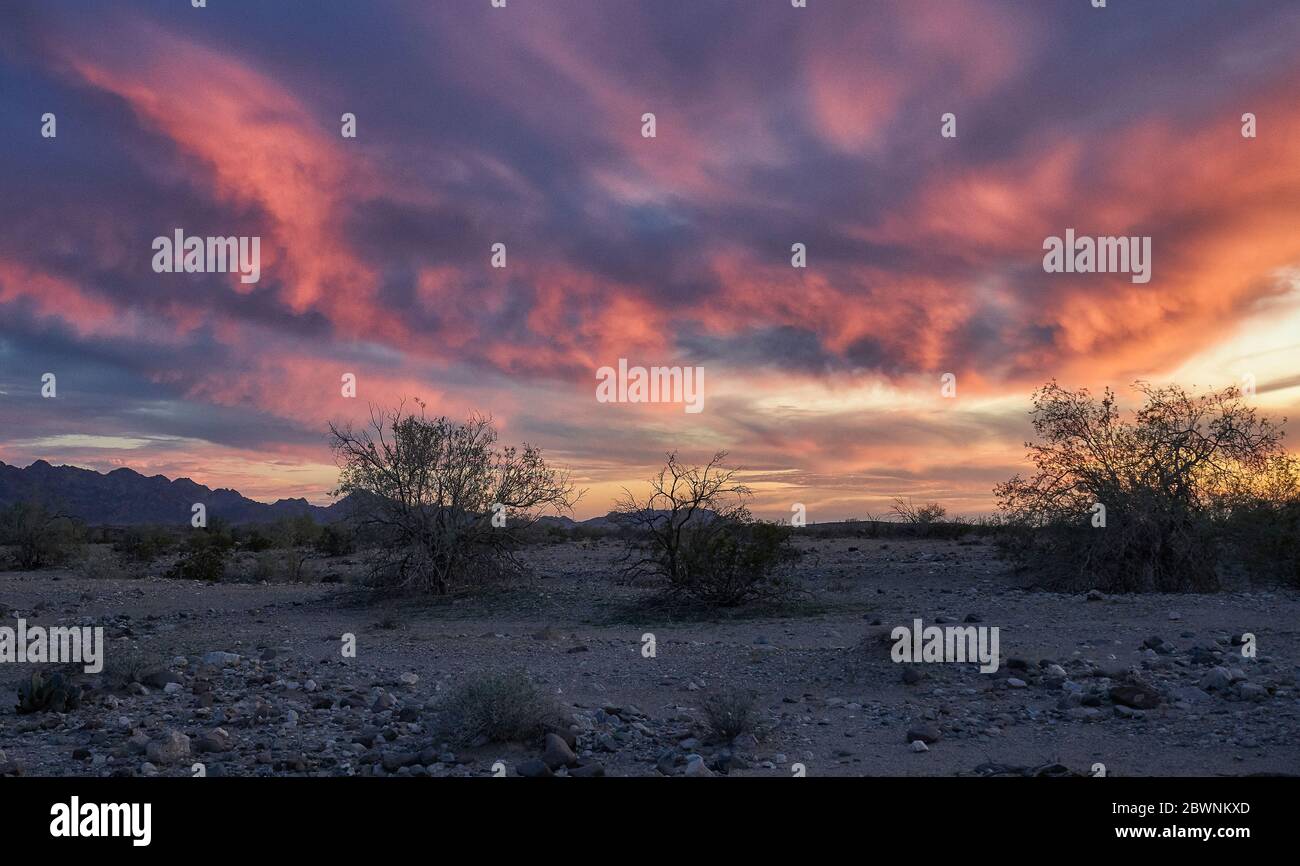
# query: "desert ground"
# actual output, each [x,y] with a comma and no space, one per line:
[248,678]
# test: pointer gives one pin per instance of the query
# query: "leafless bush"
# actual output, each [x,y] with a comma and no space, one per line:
[695,531]
[918,515]
[442,499]
[730,713]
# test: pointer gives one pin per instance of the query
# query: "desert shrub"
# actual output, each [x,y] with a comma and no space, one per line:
[45,691]
[1169,480]
[103,563]
[730,713]
[336,539]
[497,708]
[144,543]
[1260,522]
[442,500]
[298,531]
[205,556]
[918,515]
[694,530]
[254,540]
[126,666]
[289,565]
[39,536]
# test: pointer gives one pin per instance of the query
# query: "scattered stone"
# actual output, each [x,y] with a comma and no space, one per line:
[1216,679]
[534,769]
[557,753]
[1136,696]
[172,747]
[696,767]
[926,733]
[216,740]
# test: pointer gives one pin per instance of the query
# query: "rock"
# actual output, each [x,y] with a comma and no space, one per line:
[1135,696]
[159,678]
[394,761]
[696,767]
[557,753]
[1252,692]
[667,762]
[911,676]
[588,771]
[1016,683]
[926,733]
[1096,595]
[1055,670]
[409,679]
[566,733]
[1216,679]
[173,746]
[216,740]
[173,688]
[534,769]
[221,659]
[1190,694]
[919,746]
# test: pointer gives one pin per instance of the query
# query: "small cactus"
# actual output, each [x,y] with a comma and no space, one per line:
[47,693]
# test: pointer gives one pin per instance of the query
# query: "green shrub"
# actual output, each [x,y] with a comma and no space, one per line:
[40,537]
[47,692]
[205,557]
[497,708]
[144,543]
[336,539]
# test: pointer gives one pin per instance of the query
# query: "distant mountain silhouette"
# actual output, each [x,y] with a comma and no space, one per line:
[124,497]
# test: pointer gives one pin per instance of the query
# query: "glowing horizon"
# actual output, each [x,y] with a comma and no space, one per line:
[523,126]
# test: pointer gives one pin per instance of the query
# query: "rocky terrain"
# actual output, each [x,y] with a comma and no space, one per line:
[250,678]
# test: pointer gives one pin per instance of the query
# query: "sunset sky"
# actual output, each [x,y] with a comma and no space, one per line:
[522,126]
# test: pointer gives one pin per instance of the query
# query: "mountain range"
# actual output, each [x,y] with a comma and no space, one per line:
[124,497]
